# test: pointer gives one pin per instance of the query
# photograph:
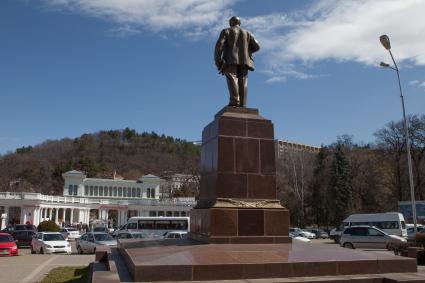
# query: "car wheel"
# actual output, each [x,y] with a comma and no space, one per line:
[348,245]
[32,250]
[41,251]
[80,250]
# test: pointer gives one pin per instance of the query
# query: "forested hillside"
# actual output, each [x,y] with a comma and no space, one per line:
[39,168]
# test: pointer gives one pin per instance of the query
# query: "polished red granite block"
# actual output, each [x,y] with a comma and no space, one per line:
[247,155]
[251,222]
[231,185]
[276,222]
[237,145]
[261,186]
[183,260]
[240,225]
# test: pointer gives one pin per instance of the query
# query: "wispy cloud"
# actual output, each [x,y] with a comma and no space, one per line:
[342,31]
[123,31]
[417,84]
[153,15]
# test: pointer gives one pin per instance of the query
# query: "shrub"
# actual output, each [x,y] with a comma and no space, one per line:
[48,226]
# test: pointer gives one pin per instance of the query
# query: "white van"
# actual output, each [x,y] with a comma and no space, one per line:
[390,222]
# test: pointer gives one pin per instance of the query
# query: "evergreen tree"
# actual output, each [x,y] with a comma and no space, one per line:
[340,186]
[319,188]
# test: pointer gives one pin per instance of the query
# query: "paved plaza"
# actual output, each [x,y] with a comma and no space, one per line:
[28,268]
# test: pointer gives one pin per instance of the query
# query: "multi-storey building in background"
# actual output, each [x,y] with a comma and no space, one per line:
[84,200]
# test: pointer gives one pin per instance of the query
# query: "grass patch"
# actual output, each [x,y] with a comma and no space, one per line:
[69,274]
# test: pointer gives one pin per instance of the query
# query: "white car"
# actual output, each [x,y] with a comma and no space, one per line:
[70,233]
[88,242]
[175,235]
[297,232]
[299,238]
[50,242]
[368,237]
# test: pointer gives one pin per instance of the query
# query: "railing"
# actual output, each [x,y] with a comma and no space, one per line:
[82,200]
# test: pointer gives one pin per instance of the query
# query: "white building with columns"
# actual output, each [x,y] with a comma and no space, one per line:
[84,200]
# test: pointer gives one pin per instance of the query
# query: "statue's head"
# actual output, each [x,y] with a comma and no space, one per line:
[234,21]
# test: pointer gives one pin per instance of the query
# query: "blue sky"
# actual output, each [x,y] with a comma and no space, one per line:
[69,67]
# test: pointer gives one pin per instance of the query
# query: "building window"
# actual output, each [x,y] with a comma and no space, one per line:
[75,190]
[152,193]
[161,213]
[152,213]
[70,190]
[124,192]
[115,191]
[176,213]
[119,191]
[101,191]
[138,192]
[96,191]
[183,213]
[110,191]
[86,190]
[148,193]
[133,192]
[169,213]
[91,190]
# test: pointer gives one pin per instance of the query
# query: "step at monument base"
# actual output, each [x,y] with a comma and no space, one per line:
[185,260]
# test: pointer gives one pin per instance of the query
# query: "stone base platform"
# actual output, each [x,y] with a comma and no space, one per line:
[175,260]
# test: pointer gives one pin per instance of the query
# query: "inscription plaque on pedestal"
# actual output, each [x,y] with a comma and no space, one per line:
[238,201]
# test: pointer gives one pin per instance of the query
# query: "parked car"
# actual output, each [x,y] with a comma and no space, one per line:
[301,233]
[50,242]
[88,242]
[175,235]
[23,238]
[130,235]
[70,233]
[299,238]
[8,245]
[368,237]
[319,233]
[411,232]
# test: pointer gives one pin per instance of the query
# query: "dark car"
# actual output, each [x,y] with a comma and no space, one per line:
[20,227]
[23,238]
[319,233]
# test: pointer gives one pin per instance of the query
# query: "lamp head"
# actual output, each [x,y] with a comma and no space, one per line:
[384,65]
[385,41]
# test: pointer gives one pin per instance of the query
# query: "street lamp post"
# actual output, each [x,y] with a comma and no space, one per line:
[385,41]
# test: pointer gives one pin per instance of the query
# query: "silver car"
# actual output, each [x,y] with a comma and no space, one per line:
[367,237]
[88,242]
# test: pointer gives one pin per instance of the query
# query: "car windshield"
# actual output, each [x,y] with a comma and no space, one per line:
[6,239]
[102,237]
[53,237]
[99,229]
[71,229]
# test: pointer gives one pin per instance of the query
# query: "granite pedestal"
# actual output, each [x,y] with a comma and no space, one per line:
[238,201]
